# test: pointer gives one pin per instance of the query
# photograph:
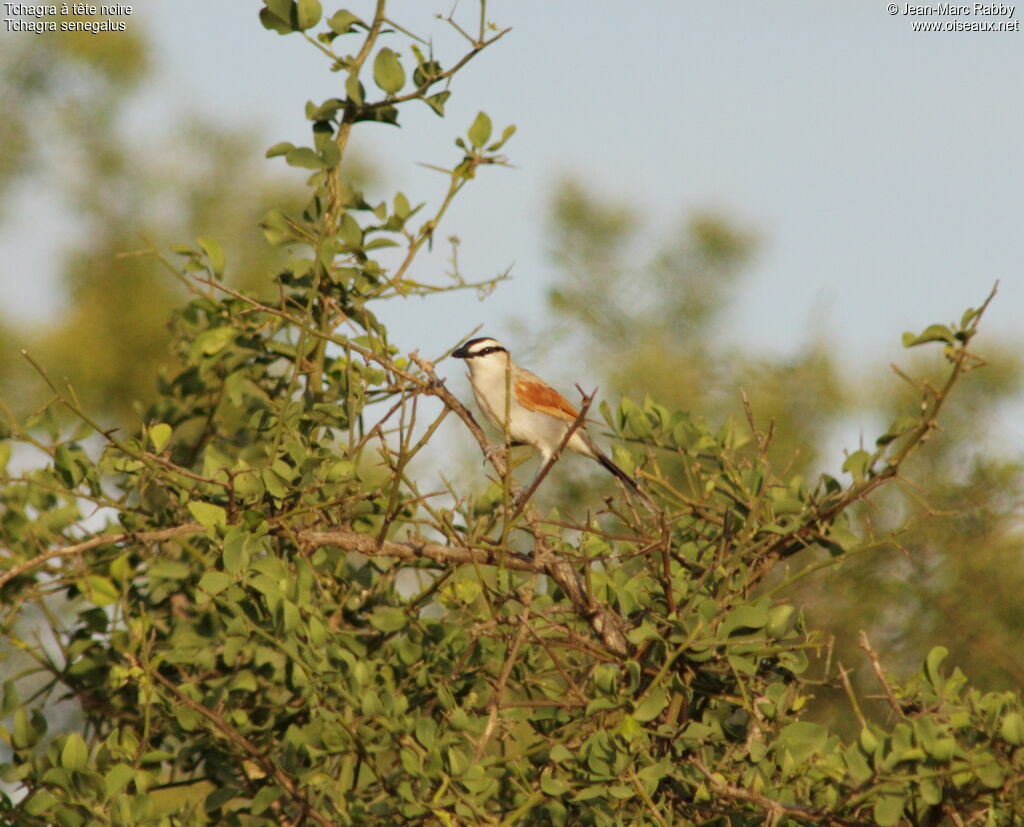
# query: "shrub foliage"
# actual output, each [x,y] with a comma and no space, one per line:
[261,615]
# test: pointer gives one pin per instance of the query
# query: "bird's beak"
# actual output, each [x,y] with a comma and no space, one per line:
[460,353]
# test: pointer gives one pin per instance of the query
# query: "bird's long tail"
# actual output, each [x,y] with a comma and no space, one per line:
[630,483]
[618,472]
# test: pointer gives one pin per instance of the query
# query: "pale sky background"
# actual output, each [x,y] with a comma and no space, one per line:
[880,167]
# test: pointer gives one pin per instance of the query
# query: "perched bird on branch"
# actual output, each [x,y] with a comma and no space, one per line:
[538,415]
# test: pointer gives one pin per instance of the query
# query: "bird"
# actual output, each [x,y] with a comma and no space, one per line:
[538,415]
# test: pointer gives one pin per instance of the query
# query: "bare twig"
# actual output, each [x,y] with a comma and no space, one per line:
[844,675]
[883,682]
[640,791]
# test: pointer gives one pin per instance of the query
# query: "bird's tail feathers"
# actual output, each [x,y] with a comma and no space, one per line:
[630,483]
[611,467]
[618,472]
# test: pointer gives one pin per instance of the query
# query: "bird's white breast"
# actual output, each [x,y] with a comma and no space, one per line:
[490,378]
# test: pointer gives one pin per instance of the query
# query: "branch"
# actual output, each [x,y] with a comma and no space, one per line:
[797,540]
[349,540]
[877,666]
[607,624]
[252,751]
[96,542]
[436,387]
[424,87]
[775,809]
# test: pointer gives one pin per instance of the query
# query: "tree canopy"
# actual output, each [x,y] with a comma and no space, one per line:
[260,614]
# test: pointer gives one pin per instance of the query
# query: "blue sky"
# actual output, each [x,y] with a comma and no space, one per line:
[880,167]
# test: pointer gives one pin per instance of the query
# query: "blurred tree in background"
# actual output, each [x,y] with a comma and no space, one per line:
[67,124]
[957,570]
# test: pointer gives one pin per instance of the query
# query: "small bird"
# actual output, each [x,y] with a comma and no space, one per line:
[538,415]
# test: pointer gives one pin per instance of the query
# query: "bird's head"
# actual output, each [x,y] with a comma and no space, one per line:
[477,351]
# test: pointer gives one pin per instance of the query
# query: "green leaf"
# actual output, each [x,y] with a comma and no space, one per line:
[645,631]
[889,809]
[426,70]
[931,666]
[40,803]
[214,582]
[932,333]
[276,228]
[388,73]
[507,133]
[75,755]
[212,341]
[354,89]
[331,155]
[277,16]
[169,569]
[458,761]
[308,14]
[208,514]
[160,436]
[991,773]
[389,619]
[559,752]
[304,158]
[857,766]
[101,591]
[606,678]
[858,464]
[218,798]
[844,539]
[264,798]
[743,618]
[236,552]
[898,428]
[23,734]
[214,254]
[426,732]
[67,462]
[1012,729]
[549,785]
[343,21]
[349,231]
[437,102]
[480,132]
[651,706]
[10,699]
[803,739]
[378,243]
[282,148]
[290,616]
[931,791]
[778,620]
[117,778]
[944,749]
